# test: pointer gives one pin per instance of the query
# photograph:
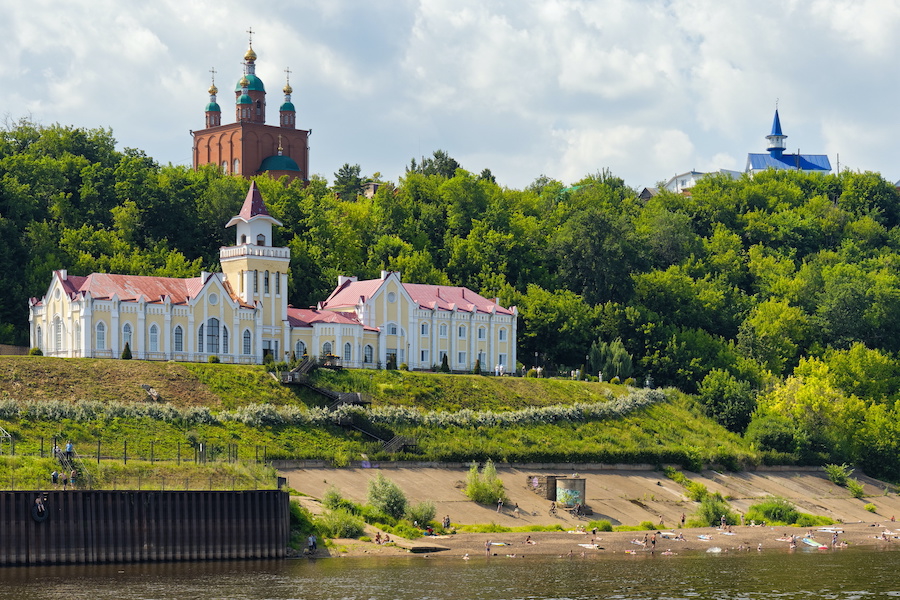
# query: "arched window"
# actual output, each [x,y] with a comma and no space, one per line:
[442,330]
[77,345]
[392,329]
[57,335]
[154,338]
[212,336]
[225,340]
[179,339]
[260,240]
[243,238]
[237,166]
[462,332]
[39,342]
[255,281]
[277,283]
[247,341]
[266,283]
[348,351]
[100,342]
[200,338]
[326,348]
[299,349]
[424,328]
[481,333]
[224,166]
[368,354]
[126,335]
[501,335]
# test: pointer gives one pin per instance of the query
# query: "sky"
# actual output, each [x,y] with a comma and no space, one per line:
[562,88]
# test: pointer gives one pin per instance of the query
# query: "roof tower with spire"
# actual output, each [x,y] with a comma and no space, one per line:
[777,159]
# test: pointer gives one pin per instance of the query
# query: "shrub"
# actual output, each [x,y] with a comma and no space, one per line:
[696,491]
[870,507]
[404,367]
[648,525]
[35,352]
[477,369]
[629,381]
[772,432]
[855,488]
[773,510]
[445,364]
[126,352]
[838,474]
[386,496]
[376,516]
[808,520]
[711,509]
[486,487]
[213,359]
[421,512]
[340,524]
[531,373]
[333,500]
[615,380]
[602,525]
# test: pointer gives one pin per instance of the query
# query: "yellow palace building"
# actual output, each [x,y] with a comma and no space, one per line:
[242,314]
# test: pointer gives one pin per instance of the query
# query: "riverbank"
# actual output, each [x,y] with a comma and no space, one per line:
[574,544]
[624,495]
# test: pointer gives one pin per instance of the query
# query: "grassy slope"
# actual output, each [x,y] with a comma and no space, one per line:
[675,431]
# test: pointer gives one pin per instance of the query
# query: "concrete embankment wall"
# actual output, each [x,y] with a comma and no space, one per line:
[79,527]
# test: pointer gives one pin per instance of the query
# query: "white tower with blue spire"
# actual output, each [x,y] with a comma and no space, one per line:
[776,139]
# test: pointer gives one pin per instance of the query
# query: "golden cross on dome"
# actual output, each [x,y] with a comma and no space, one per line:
[250,32]
[213,71]
[288,71]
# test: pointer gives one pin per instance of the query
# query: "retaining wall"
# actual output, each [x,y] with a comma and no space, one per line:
[78,527]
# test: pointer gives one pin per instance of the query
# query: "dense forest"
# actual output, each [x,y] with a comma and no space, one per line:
[775,299]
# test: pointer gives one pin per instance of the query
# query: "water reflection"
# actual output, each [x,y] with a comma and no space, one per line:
[843,575]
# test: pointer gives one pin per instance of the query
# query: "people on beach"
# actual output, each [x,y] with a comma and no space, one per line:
[311,543]
[378,537]
[500,505]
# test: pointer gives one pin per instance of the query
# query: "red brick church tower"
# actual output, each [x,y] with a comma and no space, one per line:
[248,146]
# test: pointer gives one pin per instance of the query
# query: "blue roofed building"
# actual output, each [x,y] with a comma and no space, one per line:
[777,159]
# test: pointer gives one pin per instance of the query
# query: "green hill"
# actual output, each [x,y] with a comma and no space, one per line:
[243,411]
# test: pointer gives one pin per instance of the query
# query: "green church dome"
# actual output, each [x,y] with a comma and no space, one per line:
[287,106]
[255,84]
[279,163]
[213,107]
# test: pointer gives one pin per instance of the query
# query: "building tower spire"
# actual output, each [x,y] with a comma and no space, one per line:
[287,112]
[253,108]
[213,112]
[776,138]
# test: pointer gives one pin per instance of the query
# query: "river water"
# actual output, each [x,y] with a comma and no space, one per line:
[843,574]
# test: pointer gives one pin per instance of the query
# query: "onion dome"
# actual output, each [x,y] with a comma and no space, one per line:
[213,107]
[279,163]
[288,89]
[250,55]
[213,90]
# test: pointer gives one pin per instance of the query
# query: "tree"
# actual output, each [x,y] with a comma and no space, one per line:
[126,352]
[348,182]
[386,496]
[445,365]
[727,400]
[610,359]
[440,163]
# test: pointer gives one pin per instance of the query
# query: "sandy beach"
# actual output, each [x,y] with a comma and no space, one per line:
[582,545]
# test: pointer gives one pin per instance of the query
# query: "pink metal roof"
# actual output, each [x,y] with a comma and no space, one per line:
[103,286]
[306,317]
[253,204]
[432,297]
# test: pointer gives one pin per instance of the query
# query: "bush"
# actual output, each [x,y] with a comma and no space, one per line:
[629,381]
[808,520]
[838,474]
[696,491]
[445,364]
[421,512]
[213,359]
[477,369]
[126,352]
[773,511]
[486,487]
[340,524]
[772,433]
[615,380]
[333,500]
[386,496]
[648,525]
[531,373]
[404,367]
[855,488]
[376,516]
[711,509]
[602,525]
[35,352]
[870,507]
